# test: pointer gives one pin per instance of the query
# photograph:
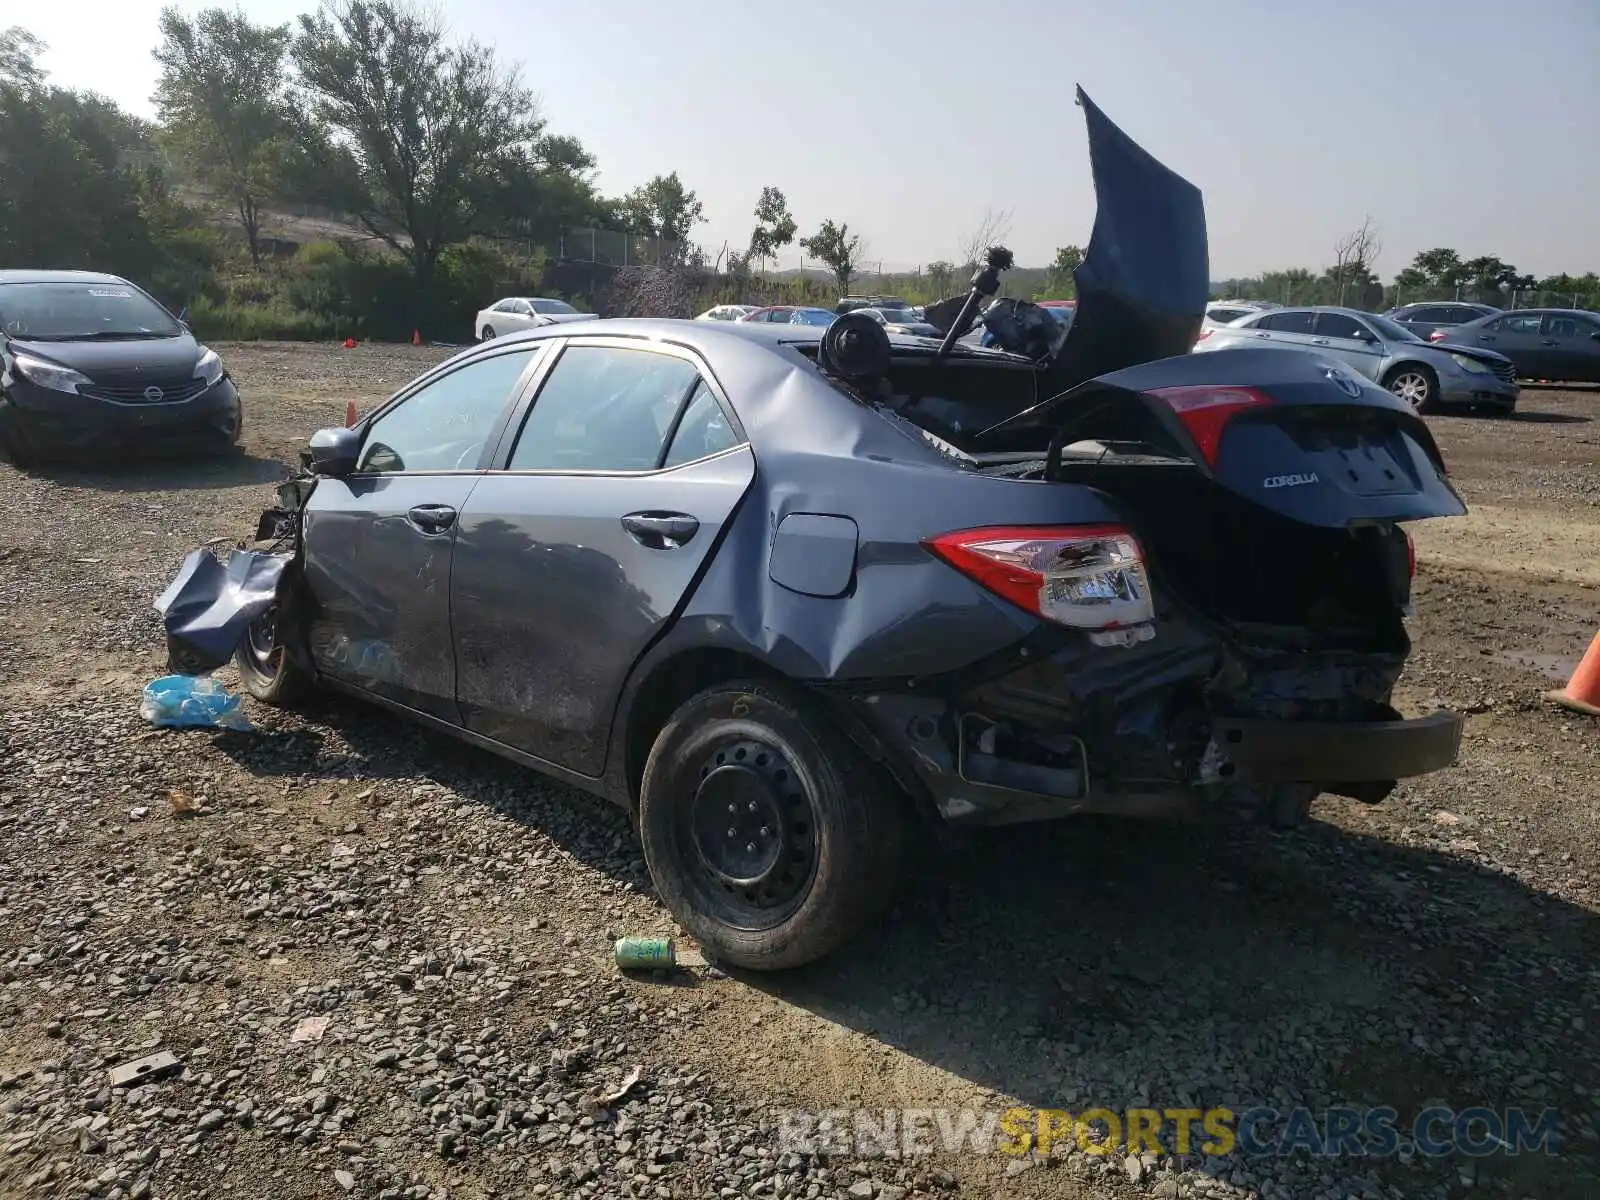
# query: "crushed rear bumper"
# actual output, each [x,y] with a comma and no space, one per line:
[1346,752]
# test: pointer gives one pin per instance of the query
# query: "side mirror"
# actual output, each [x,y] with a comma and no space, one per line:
[334,452]
[1595,336]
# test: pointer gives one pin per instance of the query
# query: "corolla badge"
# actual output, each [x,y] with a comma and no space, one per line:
[1346,384]
[1283,481]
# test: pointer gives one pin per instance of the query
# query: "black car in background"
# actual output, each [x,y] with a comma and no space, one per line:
[93,366]
[1561,345]
[1428,317]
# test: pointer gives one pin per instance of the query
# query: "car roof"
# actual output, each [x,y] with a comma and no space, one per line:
[25,276]
[707,336]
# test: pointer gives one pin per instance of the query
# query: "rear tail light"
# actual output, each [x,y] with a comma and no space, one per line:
[1086,576]
[1438,335]
[1411,554]
[1204,334]
[1205,410]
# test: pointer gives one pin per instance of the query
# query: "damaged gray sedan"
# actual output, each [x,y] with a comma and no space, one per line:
[780,591]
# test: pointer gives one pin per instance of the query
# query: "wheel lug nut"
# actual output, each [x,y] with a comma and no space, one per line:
[733,833]
[732,809]
[750,848]
[752,806]
[765,832]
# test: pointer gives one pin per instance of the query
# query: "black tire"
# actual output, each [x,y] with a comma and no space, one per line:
[13,449]
[1416,384]
[815,830]
[488,334]
[265,669]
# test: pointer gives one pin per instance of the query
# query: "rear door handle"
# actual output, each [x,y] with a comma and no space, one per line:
[1263,335]
[1549,342]
[432,518]
[661,530]
[1319,341]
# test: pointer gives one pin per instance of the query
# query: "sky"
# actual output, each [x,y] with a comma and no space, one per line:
[1472,125]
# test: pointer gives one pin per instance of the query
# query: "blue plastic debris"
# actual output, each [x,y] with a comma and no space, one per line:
[192,702]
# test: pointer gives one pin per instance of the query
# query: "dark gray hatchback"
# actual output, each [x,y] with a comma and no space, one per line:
[93,366]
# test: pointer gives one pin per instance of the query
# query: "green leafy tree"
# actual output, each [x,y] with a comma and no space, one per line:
[222,99]
[1439,268]
[19,59]
[1062,269]
[941,275]
[443,142]
[665,210]
[836,248]
[775,227]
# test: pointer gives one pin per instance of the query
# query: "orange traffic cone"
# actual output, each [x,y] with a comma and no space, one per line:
[1582,693]
[416,337]
[349,414]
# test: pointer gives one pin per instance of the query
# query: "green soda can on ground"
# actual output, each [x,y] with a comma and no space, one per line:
[646,954]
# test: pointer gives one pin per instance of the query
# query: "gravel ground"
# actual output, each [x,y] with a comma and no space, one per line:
[381,959]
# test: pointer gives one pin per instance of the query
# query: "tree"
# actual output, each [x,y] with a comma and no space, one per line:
[221,96]
[19,53]
[836,248]
[775,228]
[940,275]
[1486,275]
[1353,256]
[443,140]
[1440,268]
[1067,260]
[993,227]
[665,210]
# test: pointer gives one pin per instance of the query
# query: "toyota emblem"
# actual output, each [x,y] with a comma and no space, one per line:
[153,394]
[1347,385]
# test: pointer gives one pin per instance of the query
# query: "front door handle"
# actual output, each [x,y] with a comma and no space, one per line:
[1548,342]
[1319,341]
[661,530]
[1263,335]
[432,518]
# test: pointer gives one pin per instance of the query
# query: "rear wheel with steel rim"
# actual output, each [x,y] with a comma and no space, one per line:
[487,335]
[1416,385]
[770,837]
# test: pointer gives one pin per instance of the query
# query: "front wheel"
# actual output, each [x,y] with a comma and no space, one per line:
[1416,385]
[769,836]
[488,334]
[265,669]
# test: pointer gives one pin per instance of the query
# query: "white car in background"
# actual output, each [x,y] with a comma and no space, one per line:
[516,313]
[1226,312]
[726,312]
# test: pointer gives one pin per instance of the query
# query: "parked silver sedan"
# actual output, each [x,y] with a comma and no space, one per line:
[1424,376]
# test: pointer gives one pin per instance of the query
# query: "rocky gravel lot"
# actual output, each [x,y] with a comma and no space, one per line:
[380,961]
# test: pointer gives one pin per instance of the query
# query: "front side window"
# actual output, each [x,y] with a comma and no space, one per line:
[604,408]
[1568,325]
[1337,325]
[445,425]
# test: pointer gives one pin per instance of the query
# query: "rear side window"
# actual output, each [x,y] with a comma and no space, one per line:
[1285,322]
[1224,315]
[702,432]
[1516,323]
[604,408]
[1429,316]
